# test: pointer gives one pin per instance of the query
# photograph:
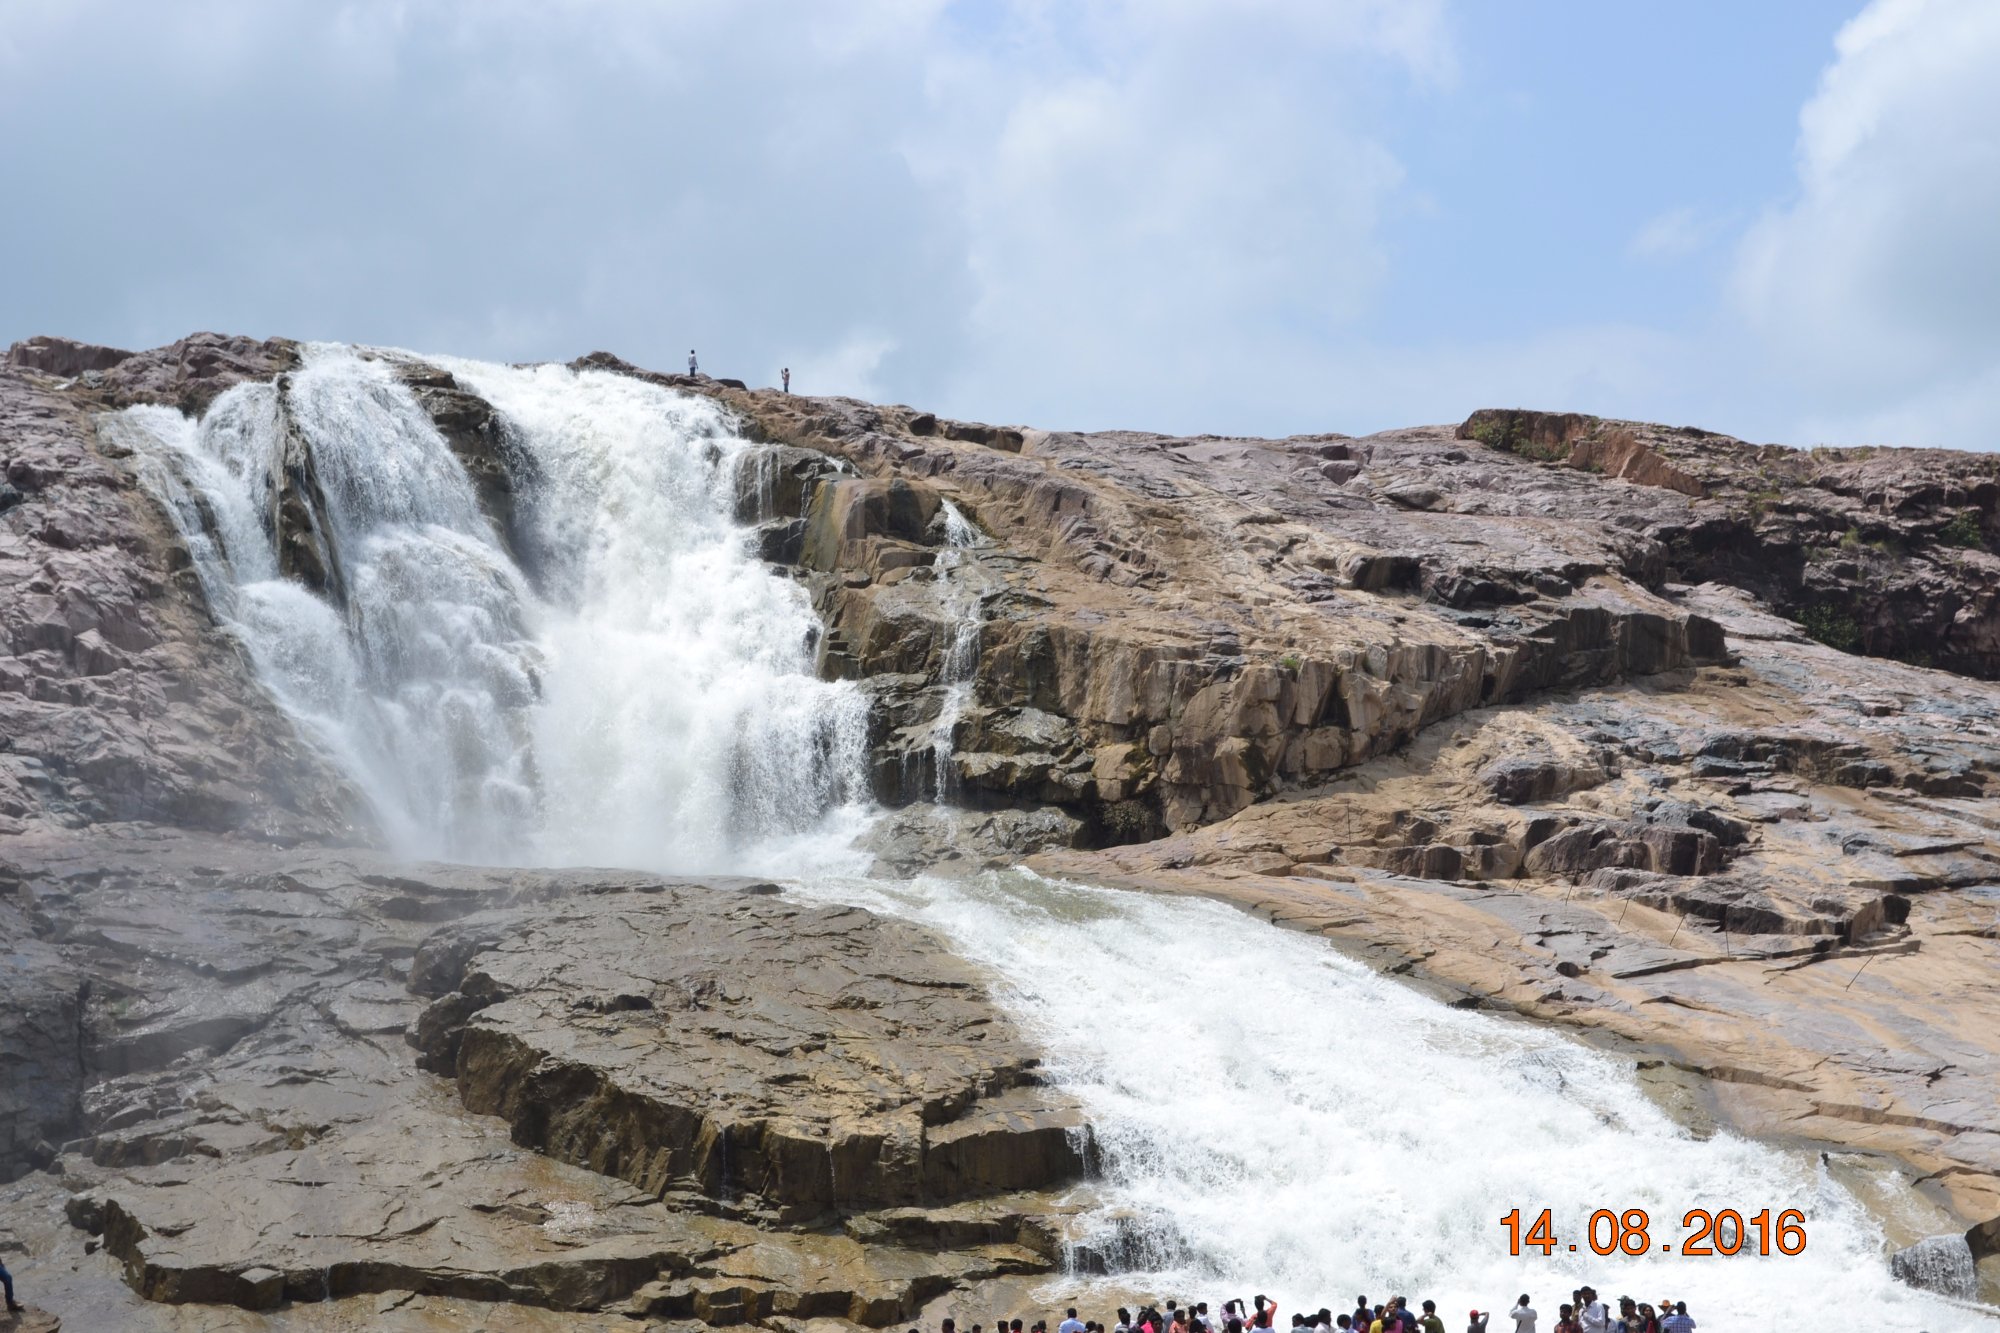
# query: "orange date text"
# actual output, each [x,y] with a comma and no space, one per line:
[1630,1231]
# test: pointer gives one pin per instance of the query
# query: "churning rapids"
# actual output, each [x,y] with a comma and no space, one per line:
[1273,1117]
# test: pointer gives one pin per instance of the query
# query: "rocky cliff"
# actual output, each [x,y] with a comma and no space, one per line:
[1684,742]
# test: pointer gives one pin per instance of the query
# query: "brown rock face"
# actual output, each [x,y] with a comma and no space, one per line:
[671,1098]
[63,356]
[770,1057]
[1886,552]
[501,471]
[119,699]
[1172,630]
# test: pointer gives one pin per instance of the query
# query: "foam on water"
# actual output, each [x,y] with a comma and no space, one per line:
[416,674]
[647,698]
[1276,1118]
[680,719]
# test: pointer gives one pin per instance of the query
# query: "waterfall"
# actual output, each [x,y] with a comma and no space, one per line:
[959,597]
[647,699]
[1271,1116]
[681,723]
[417,671]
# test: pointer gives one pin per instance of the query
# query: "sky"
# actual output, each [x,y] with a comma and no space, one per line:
[1779,220]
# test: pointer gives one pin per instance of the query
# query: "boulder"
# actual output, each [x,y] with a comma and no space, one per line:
[63,356]
[706,1015]
[1942,1264]
[503,474]
[845,514]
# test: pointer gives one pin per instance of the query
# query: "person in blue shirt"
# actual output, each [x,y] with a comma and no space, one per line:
[1071,1324]
[1678,1321]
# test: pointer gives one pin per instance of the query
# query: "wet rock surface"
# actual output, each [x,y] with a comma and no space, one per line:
[1561,714]
[1810,926]
[1173,629]
[119,698]
[780,1062]
[662,1097]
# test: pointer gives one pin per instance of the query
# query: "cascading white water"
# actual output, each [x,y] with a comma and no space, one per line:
[653,702]
[418,676]
[1276,1118]
[1272,1117]
[681,722]
[959,598]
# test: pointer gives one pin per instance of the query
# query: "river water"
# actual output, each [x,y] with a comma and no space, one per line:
[1273,1117]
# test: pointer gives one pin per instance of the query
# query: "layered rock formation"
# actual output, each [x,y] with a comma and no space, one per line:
[118,698]
[689,1099]
[1512,707]
[1560,715]
[1175,629]
[1884,552]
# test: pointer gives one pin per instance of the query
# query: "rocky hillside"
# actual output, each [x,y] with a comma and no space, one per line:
[1681,741]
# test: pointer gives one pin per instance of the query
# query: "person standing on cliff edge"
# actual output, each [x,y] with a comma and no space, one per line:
[787,373]
[692,370]
[7,1281]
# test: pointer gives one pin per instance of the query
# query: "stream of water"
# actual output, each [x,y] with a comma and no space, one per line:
[1273,1117]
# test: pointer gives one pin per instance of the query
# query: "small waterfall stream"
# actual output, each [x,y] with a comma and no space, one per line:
[960,598]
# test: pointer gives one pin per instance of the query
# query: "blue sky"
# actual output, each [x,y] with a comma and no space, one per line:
[1255,216]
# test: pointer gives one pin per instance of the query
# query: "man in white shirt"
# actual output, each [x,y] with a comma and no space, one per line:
[1596,1316]
[1523,1315]
[1071,1324]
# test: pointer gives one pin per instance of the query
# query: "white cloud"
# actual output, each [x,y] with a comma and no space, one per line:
[1119,211]
[849,368]
[1877,289]
[1164,205]
[1181,214]
[1673,235]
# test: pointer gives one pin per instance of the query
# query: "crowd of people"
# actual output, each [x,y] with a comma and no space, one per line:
[1585,1312]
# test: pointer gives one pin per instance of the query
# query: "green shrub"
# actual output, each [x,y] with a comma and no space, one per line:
[1831,626]
[1965,529]
[1760,501]
[1128,821]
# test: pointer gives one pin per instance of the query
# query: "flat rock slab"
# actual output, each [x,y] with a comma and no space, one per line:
[770,1055]
[700,1059]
